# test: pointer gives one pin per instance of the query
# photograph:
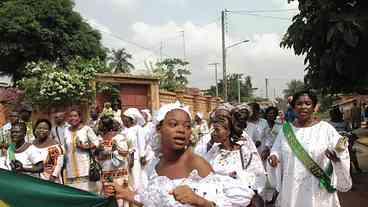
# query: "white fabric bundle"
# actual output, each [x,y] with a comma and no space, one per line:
[136,115]
[160,116]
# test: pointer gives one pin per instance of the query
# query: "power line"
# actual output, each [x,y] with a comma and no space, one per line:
[128,41]
[263,11]
[265,16]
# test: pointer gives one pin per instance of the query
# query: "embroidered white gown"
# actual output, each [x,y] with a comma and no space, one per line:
[295,184]
[225,162]
[223,190]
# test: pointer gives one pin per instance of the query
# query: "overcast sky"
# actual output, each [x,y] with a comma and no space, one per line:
[142,26]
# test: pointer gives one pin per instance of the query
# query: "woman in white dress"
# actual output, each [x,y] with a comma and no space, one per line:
[180,177]
[23,156]
[51,151]
[234,153]
[133,121]
[260,127]
[113,153]
[271,131]
[302,157]
[80,139]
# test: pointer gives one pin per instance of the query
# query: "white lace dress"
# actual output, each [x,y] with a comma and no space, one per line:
[297,186]
[224,162]
[223,190]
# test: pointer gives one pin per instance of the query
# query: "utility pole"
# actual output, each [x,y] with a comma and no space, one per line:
[215,64]
[161,47]
[224,54]
[267,88]
[239,100]
[184,52]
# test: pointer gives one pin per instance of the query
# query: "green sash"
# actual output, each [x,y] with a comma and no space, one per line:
[309,163]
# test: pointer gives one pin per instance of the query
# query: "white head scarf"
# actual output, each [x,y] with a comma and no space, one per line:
[160,116]
[147,112]
[245,106]
[200,115]
[136,115]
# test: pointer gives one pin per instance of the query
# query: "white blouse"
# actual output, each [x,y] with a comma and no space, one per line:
[78,160]
[52,164]
[28,158]
[251,173]
[297,186]
[222,190]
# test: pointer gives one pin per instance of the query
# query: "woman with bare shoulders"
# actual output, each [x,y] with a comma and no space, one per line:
[179,177]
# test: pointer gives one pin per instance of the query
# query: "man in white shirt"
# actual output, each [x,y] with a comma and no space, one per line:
[5,132]
[58,131]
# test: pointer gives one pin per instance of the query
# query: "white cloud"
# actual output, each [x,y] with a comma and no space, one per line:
[124,3]
[260,58]
[95,24]
[285,5]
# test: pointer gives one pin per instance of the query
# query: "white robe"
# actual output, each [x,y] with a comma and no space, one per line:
[223,190]
[136,140]
[296,185]
[225,162]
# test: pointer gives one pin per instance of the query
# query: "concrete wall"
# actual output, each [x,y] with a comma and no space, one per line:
[196,102]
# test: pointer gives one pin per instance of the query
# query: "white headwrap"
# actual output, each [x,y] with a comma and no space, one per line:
[147,112]
[200,115]
[245,106]
[136,115]
[160,116]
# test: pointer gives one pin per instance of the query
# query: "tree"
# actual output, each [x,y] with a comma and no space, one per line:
[246,91]
[172,73]
[45,84]
[292,87]
[333,36]
[120,61]
[36,30]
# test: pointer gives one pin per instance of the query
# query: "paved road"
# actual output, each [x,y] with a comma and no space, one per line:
[358,196]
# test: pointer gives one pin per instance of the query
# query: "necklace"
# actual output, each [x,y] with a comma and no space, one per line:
[20,149]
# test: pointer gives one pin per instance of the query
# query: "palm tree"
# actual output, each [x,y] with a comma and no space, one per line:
[292,87]
[120,61]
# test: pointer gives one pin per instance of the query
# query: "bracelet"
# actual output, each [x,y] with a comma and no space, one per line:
[212,204]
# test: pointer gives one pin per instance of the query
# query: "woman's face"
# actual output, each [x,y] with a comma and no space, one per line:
[220,133]
[271,115]
[176,130]
[74,118]
[17,134]
[127,121]
[304,107]
[42,131]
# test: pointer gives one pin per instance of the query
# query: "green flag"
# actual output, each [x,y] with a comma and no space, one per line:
[18,190]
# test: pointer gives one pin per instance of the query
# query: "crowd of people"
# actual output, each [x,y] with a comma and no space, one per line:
[240,157]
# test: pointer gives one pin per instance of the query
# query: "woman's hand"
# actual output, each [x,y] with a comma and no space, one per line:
[53,178]
[17,166]
[123,153]
[143,161]
[332,155]
[82,146]
[185,195]
[108,189]
[233,174]
[258,143]
[265,154]
[273,161]
[256,201]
